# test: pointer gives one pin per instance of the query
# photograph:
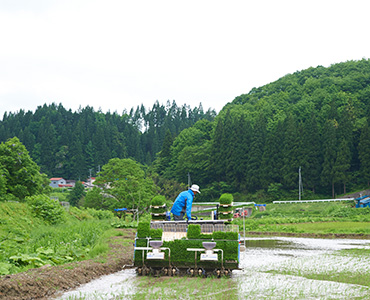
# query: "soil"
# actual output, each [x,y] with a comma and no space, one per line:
[49,281]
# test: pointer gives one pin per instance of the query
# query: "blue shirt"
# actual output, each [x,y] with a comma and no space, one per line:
[185,197]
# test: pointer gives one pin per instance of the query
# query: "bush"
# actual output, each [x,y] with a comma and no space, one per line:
[47,209]
[79,214]
[100,214]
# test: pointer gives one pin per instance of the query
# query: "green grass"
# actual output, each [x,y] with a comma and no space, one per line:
[27,242]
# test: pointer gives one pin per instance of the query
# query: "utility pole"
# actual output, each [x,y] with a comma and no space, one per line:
[90,175]
[300,187]
[189,181]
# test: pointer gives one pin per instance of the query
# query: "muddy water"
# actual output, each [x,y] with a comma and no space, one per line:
[272,268]
[106,287]
[265,260]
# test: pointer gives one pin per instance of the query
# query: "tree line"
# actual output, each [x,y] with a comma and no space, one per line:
[74,145]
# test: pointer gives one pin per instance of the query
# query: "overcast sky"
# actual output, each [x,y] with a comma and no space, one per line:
[117,54]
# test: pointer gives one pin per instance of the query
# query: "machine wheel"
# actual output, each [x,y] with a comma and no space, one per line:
[226,272]
[145,271]
[217,273]
[174,271]
[190,272]
[164,271]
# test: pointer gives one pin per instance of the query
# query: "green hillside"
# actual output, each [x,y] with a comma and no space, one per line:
[316,119]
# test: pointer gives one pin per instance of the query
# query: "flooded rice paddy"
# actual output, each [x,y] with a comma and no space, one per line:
[271,268]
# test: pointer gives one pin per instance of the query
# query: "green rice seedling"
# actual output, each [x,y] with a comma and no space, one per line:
[330,227]
[185,288]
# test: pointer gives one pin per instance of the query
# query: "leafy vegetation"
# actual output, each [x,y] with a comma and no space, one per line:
[47,209]
[29,239]
[20,175]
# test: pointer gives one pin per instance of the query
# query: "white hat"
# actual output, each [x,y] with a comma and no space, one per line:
[195,188]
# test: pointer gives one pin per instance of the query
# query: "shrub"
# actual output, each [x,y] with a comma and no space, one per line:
[79,214]
[47,209]
[100,214]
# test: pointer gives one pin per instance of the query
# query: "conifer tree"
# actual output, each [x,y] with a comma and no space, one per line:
[311,153]
[291,150]
[330,154]
[272,158]
[364,153]
[342,164]
[253,171]
[165,154]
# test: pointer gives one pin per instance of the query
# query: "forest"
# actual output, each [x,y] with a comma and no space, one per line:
[69,144]
[315,119]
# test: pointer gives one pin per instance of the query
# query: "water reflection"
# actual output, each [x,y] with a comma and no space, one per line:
[268,243]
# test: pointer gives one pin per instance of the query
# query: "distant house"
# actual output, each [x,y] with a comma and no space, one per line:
[89,183]
[72,183]
[57,182]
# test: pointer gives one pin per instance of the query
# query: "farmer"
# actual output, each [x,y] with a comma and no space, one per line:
[183,203]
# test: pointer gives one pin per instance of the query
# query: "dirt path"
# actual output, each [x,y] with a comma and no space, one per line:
[46,282]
